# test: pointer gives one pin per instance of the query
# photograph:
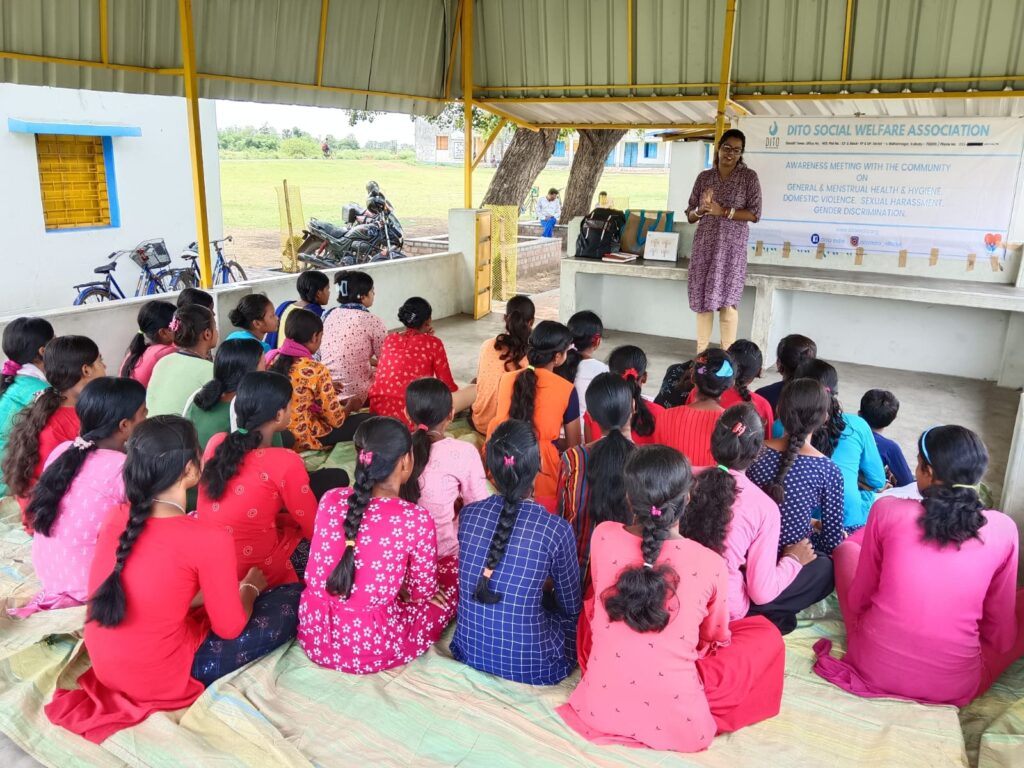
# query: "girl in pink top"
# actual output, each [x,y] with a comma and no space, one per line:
[153,341]
[730,515]
[81,482]
[447,472]
[376,596]
[353,336]
[928,589]
[667,669]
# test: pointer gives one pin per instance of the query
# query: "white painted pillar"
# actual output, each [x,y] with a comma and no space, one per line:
[1012,502]
[462,238]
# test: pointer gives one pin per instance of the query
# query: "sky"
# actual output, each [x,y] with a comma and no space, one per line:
[318,121]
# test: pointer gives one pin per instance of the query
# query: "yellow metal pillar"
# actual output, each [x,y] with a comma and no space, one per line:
[467,102]
[195,139]
[726,77]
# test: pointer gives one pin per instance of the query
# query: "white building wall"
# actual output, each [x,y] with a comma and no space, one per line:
[154,190]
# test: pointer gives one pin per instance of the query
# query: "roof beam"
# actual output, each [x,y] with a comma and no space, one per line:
[592,99]
[723,87]
[321,42]
[887,95]
[518,122]
[630,43]
[847,31]
[456,33]
[490,140]
[104,33]
[467,103]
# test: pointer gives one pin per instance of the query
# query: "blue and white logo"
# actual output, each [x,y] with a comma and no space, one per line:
[774,129]
[815,239]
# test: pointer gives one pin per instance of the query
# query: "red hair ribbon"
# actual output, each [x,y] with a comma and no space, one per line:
[739,428]
[630,372]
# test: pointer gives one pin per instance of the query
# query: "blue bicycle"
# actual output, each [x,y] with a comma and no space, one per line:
[224,270]
[153,258]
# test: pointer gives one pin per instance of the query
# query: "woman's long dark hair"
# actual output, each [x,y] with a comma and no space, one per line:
[102,406]
[826,437]
[190,322]
[519,314]
[713,373]
[803,407]
[657,479]
[428,403]
[234,359]
[610,404]
[546,342]
[952,507]
[630,363]
[159,451]
[380,443]
[258,399]
[587,329]
[792,352]
[153,317]
[22,340]
[301,326]
[415,313]
[63,360]
[735,443]
[747,361]
[513,460]
[249,309]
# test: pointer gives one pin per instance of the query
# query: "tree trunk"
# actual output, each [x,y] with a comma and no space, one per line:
[524,159]
[585,172]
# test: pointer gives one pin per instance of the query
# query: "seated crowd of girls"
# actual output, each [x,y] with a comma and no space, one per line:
[664,547]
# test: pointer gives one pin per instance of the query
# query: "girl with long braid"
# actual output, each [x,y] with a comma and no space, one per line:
[151,648]
[81,481]
[509,548]
[630,363]
[667,669]
[748,363]
[376,595]
[506,352]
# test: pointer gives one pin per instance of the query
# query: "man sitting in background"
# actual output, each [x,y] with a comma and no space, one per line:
[549,208]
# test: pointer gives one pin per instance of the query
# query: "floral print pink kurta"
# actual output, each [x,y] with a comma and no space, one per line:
[353,336]
[388,620]
[718,260]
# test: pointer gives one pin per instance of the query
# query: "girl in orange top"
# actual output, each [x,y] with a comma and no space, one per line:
[541,397]
[498,356]
[688,428]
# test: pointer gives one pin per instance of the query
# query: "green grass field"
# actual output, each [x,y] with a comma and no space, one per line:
[422,194]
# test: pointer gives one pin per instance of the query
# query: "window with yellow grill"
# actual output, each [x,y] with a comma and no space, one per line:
[73,181]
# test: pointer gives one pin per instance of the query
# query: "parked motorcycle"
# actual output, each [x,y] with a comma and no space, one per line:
[372,233]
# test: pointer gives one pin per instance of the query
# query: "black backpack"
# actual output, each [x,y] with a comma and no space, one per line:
[599,233]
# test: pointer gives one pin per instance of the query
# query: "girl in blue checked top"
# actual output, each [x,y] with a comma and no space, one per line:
[509,547]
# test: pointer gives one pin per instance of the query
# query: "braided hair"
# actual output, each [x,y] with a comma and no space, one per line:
[735,443]
[548,340]
[792,352]
[586,329]
[609,403]
[713,373]
[63,361]
[748,362]
[159,452]
[261,396]
[803,407]
[234,359]
[428,403]
[630,363]
[153,317]
[102,406]
[380,443]
[953,511]
[519,314]
[22,341]
[826,437]
[657,480]
[513,460]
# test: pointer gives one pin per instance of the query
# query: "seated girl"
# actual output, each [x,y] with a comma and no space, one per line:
[509,624]
[847,439]
[81,481]
[928,589]
[314,289]
[318,419]
[70,363]
[153,342]
[688,428]
[447,472]
[23,342]
[790,354]
[353,338]
[374,580]
[195,296]
[727,513]
[667,669]
[746,359]
[630,363]
[415,353]
[580,366]
[151,649]
[808,488]
[178,375]
[258,493]
[506,352]
[544,399]
[254,317]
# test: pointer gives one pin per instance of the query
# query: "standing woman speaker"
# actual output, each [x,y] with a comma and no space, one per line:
[724,200]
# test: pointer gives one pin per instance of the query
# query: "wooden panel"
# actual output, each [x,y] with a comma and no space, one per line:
[482,283]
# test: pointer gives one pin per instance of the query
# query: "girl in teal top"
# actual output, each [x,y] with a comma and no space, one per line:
[22,375]
[255,318]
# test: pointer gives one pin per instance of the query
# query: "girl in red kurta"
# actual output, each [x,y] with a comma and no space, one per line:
[688,428]
[667,669]
[630,362]
[70,363]
[415,353]
[150,649]
[259,494]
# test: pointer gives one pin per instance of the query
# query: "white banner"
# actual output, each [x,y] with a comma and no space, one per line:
[934,187]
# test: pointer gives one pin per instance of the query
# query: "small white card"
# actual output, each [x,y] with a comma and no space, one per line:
[661,246]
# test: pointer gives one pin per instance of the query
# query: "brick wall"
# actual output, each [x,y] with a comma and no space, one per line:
[533,229]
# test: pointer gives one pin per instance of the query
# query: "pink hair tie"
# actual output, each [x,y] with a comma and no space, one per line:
[422,427]
[365,458]
[175,324]
[510,461]
[655,512]
[82,444]
[630,372]
[739,428]
[10,368]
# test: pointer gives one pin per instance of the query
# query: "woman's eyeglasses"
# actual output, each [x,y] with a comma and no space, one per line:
[727,150]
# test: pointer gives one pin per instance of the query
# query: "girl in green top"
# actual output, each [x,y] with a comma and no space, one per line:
[22,375]
[181,373]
